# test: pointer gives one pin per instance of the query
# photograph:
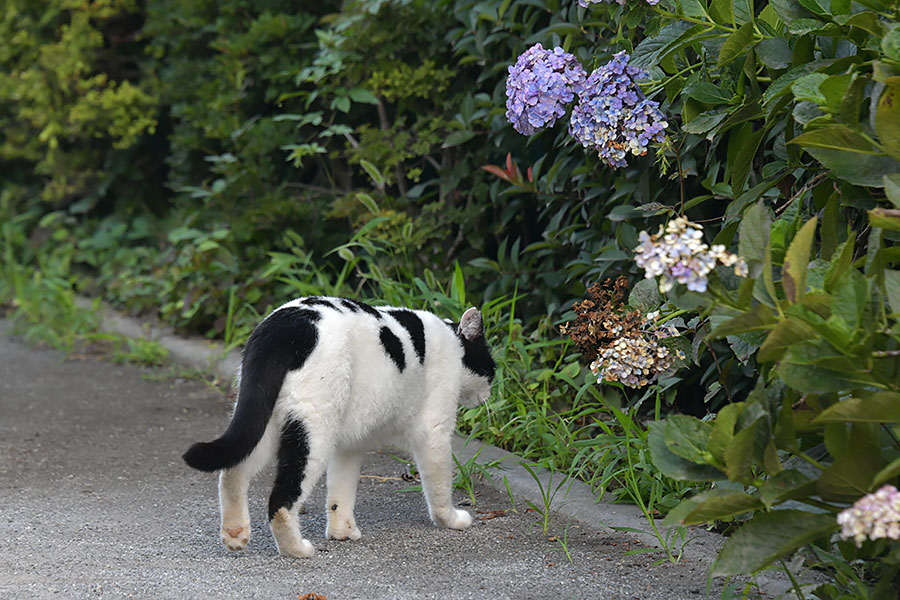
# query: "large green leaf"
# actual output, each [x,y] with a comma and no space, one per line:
[892,287]
[879,407]
[885,218]
[787,485]
[720,506]
[851,476]
[687,437]
[759,318]
[888,473]
[836,137]
[742,453]
[856,168]
[736,44]
[754,233]
[887,120]
[769,537]
[672,465]
[787,333]
[722,433]
[796,261]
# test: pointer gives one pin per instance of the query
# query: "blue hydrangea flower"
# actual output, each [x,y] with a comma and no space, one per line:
[613,115]
[539,86]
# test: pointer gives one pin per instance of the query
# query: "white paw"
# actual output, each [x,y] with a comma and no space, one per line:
[235,537]
[344,529]
[454,519]
[296,549]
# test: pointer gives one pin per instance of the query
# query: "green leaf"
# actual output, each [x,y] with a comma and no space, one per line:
[707,92]
[687,437]
[879,407]
[854,167]
[787,485]
[722,432]
[850,477]
[722,11]
[885,218]
[787,333]
[373,172]
[672,465]
[707,121]
[645,295]
[714,507]
[754,233]
[890,44]
[892,287]
[742,453]
[836,137]
[769,537]
[796,261]
[888,473]
[775,53]
[892,189]
[887,118]
[760,318]
[362,96]
[458,137]
[736,44]
[850,295]
[807,88]
[743,144]
[814,380]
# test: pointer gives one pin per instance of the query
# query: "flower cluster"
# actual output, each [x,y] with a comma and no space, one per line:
[539,86]
[626,343]
[586,3]
[874,516]
[636,361]
[678,254]
[614,117]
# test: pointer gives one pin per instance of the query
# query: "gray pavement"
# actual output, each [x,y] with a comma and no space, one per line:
[96,502]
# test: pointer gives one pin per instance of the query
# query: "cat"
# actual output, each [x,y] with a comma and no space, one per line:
[324,379]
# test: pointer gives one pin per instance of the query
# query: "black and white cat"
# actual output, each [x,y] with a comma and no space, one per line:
[322,380]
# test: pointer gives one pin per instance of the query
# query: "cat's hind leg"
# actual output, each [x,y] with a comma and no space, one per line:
[301,462]
[233,485]
[433,459]
[342,479]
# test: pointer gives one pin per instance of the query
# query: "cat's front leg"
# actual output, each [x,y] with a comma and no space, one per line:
[342,479]
[433,459]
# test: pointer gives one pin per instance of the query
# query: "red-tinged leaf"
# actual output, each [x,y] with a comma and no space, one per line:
[530,176]
[509,163]
[495,170]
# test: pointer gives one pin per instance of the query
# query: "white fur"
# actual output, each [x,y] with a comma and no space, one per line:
[351,398]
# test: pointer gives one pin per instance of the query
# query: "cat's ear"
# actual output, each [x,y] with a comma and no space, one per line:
[470,326]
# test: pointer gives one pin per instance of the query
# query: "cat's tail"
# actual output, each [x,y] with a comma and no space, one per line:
[281,343]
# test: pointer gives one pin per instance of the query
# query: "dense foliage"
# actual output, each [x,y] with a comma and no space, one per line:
[201,161]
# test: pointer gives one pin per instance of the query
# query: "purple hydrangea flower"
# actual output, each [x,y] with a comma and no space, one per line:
[539,86]
[678,254]
[614,117]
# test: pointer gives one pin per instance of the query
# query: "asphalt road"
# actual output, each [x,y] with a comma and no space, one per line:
[96,502]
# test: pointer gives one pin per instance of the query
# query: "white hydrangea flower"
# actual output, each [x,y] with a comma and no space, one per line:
[874,516]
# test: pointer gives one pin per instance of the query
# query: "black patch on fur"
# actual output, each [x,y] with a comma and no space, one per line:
[317,301]
[334,507]
[281,343]
[393,347]
[477,357]
[454,327]
[349,304]
[413,324]
[362,306]
[293,451]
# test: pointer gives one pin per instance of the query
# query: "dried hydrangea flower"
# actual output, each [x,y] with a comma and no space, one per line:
[613,115]
[539,86]
[678,254]
[637,360]
[874,516]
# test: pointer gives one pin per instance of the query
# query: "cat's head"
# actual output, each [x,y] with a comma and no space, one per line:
[478,366]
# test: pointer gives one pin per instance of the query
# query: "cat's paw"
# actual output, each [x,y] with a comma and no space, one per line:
[235,537]
[296,548]
[454,519]
[342,529]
